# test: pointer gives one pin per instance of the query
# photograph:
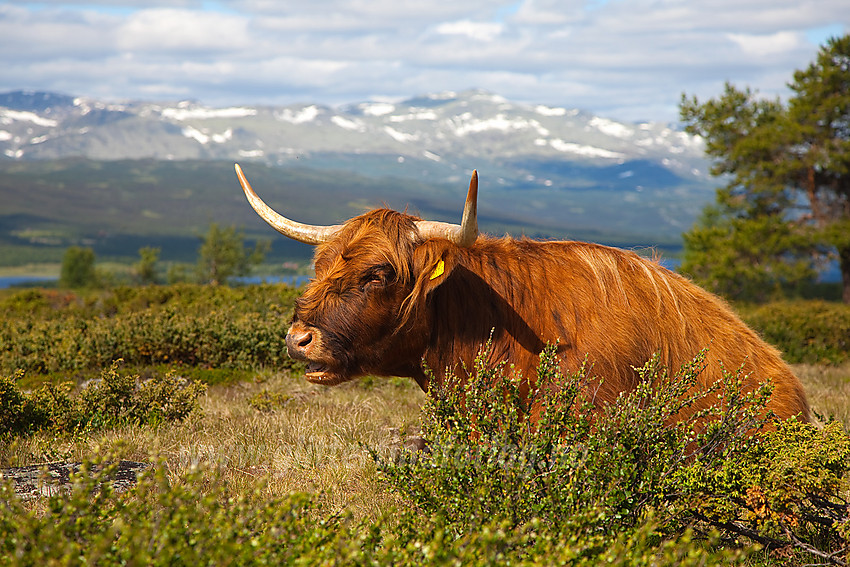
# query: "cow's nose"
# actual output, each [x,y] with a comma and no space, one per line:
[298,343]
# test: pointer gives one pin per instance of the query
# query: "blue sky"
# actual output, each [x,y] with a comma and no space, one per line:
[626,59]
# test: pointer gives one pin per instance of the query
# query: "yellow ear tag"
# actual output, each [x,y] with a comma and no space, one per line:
[438,271]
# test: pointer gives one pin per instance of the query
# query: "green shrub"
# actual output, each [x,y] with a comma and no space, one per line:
[785,490]
[630,467]
[49,331]
[78,268]
[19,414]
[116,399]
[195,520]
[622,484]
[266,401]
[213,326]
[805,331]
[159,523]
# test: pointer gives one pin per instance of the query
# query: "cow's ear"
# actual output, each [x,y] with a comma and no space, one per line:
[433,262]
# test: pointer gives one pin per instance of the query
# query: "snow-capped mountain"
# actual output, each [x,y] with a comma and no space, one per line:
[545,171]
[448,131]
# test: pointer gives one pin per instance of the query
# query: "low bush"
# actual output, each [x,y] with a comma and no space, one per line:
[50,331]
[158,523]
[580,473]
[623,484]
[242,328]
[116,398]
[805,331]
[195,520]
[19,413]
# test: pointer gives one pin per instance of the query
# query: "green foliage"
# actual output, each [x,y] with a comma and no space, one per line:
[805,331]
[581,473]
[178,273]
[756,258]
[624,484]
[783,490]
[145,270]
[161,523]
[266,401]
[20,414]
[78,268]
[49,331]
[115,399]
[196,520]
[821,107]
[785,206]
[223,255]
[621,484]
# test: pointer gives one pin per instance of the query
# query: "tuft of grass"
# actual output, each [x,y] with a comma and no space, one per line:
[828,389]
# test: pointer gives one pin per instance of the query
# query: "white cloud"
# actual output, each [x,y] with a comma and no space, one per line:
[166,29]
[765,45]
[550,12]
[481,31]
[627,60]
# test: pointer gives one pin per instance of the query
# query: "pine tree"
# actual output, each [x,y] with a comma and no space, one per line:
[786,206]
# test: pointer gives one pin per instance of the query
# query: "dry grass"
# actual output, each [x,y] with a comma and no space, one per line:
[828,388]
[313,442]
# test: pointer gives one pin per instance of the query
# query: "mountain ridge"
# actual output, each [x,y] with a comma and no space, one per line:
[545,171]
[443,127]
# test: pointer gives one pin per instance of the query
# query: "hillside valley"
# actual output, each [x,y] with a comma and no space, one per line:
[121,176]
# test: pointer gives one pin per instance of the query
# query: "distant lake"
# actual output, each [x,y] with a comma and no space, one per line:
[9,281]
[294,281]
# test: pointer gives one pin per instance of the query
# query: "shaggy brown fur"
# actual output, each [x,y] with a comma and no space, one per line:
[377,306]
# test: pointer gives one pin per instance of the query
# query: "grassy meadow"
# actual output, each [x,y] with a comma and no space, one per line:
[257,434]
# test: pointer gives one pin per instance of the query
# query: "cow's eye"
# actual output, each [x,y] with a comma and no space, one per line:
[378,277]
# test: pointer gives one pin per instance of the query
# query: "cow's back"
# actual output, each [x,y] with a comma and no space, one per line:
[611,308]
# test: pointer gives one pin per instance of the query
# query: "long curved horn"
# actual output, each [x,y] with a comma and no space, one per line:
[307,233]
[466,232]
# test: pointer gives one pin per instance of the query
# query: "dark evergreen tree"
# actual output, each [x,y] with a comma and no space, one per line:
[786,206]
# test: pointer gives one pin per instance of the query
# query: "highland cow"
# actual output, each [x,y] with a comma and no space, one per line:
[394,294]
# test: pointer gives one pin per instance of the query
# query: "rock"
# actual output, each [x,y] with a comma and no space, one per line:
[48,479]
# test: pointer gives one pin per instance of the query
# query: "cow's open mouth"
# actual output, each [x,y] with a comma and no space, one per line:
[321,374]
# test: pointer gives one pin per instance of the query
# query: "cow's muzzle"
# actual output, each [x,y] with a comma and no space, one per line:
[299,343]
[305,343]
